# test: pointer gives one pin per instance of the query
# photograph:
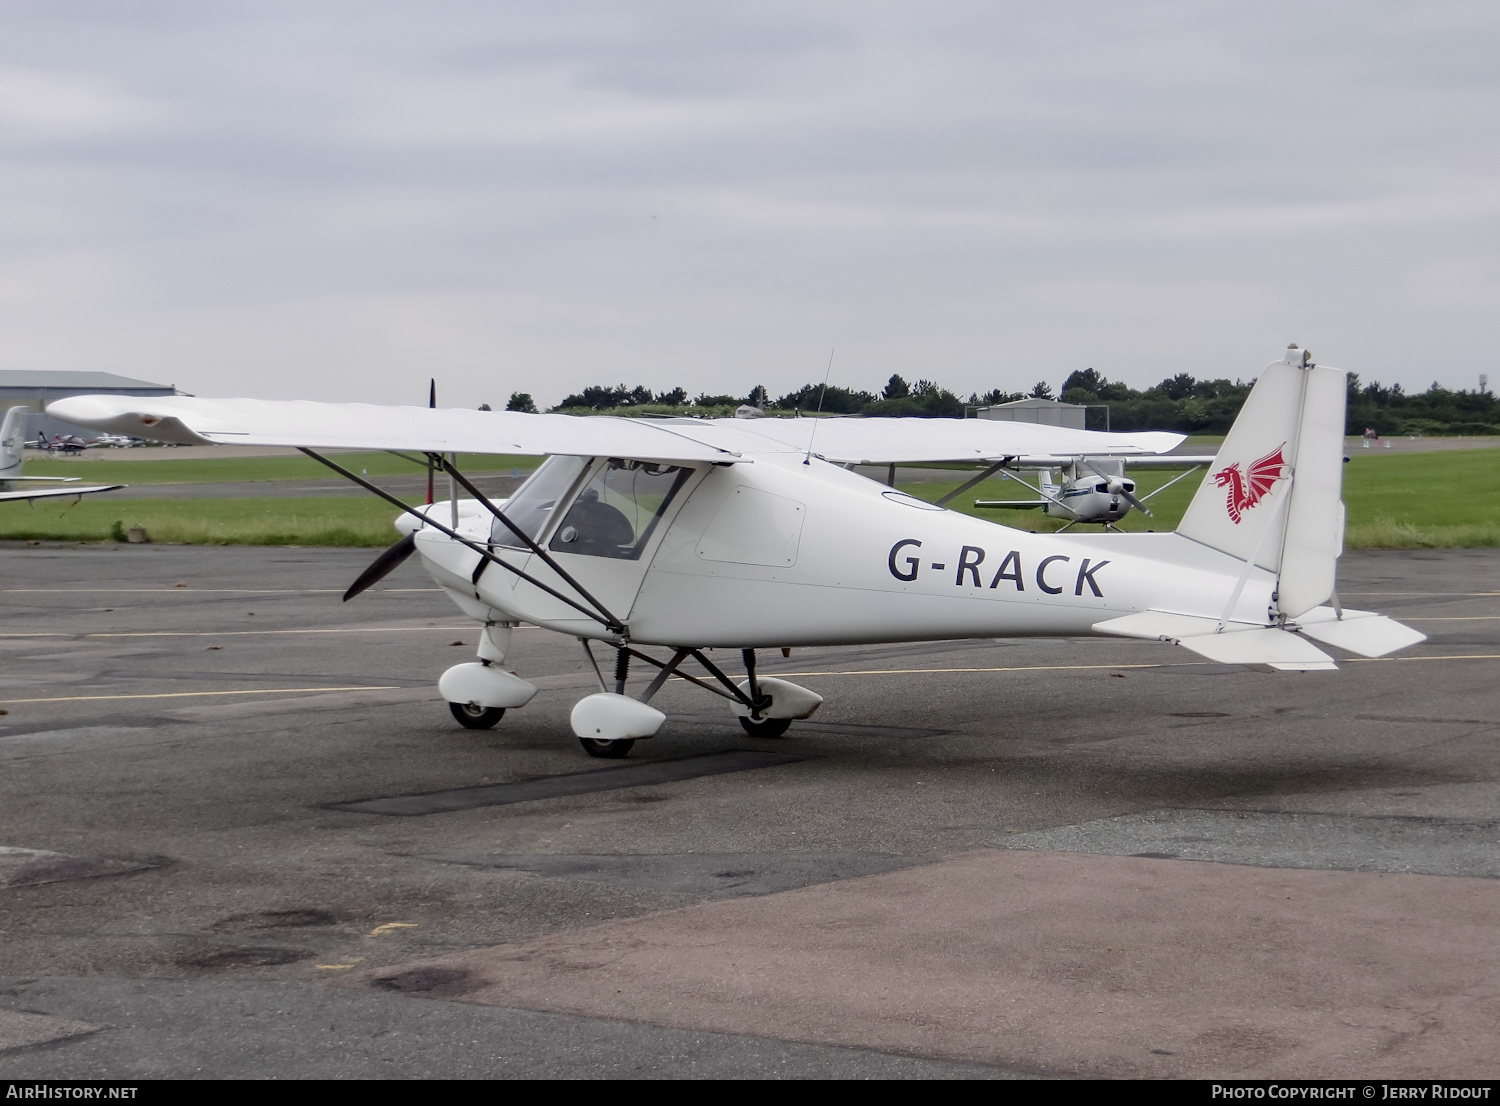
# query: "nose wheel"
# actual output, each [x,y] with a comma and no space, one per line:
[766,727]
[471,716]
[607,750]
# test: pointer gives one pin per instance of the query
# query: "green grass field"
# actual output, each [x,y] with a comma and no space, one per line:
[356,520]
[234,470]
[1396,501]
[1400,501]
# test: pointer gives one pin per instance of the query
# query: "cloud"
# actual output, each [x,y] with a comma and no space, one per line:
[305,200]
[42,104]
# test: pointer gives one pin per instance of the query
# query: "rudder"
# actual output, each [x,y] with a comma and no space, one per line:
[1273,495]
[13,441]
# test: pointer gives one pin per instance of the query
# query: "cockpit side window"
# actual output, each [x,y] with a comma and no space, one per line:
[532,504]
[618,509]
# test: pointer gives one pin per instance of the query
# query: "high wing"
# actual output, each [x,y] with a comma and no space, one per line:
[911,440]
[190,420]
[54,492]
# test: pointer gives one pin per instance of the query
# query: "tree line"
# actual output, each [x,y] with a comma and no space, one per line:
[1181,402]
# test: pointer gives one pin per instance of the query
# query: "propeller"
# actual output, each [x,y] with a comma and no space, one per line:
[383,565]
[1117,487]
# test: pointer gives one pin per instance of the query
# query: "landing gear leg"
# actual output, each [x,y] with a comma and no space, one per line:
[619,747]
[753,724]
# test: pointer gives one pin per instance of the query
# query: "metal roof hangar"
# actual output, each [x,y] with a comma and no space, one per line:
[27,388]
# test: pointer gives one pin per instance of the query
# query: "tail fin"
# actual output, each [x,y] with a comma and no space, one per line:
[1273,495]
[13,441]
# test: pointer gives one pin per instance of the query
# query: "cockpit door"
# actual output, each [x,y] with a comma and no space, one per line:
[601,520]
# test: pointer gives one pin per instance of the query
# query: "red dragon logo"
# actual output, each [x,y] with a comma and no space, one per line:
[1245,492]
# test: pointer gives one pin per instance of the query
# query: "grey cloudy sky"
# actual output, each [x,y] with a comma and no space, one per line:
[337,200]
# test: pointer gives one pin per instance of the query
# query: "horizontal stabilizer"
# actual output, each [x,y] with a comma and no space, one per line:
[1362,632]
[1010,504]
[1267,648]
[1162,626]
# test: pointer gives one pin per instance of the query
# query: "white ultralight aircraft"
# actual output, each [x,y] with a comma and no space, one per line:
[748,534]
[12,453]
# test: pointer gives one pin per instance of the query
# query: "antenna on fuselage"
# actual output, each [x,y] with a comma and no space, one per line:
[431,403]
[822,392]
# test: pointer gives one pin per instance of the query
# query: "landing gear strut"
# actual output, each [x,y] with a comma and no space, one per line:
[620,747]
[754,724]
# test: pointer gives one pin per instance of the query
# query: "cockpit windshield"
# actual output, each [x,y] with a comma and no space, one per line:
[618,509]
[532,504]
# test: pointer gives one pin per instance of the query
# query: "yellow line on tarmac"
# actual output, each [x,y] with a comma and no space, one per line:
[1096,667]
[199,694]
[1020,668]
[1462,657]
[195,591]
[1455,618]
[256,633]
[1426,594]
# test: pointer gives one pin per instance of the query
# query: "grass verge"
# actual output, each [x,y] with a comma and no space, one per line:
[236,470]
[354,521]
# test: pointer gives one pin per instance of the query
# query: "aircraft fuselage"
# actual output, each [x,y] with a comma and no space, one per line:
[781,553]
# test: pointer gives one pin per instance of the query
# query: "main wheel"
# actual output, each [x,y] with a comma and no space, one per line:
[609,750]
[766,727]
[472,716]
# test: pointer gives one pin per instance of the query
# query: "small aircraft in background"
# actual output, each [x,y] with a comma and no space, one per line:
[61,443]
[116,441]
[1089,489]
[12,455]
[690,535]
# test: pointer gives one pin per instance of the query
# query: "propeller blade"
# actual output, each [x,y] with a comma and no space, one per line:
[383,566]
[1136,503]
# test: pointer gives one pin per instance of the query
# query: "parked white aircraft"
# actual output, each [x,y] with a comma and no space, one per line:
[1087,488]
[12,454]
[751,534]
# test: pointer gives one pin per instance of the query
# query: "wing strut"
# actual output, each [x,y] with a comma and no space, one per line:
[672,668]
[967,484]
[447,466]
[1170,482]
[604,618]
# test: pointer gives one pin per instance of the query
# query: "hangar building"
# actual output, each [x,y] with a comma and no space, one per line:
[27,388]
[1048,411]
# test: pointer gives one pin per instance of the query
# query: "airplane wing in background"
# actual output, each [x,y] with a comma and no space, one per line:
[193,421]
[53,491]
